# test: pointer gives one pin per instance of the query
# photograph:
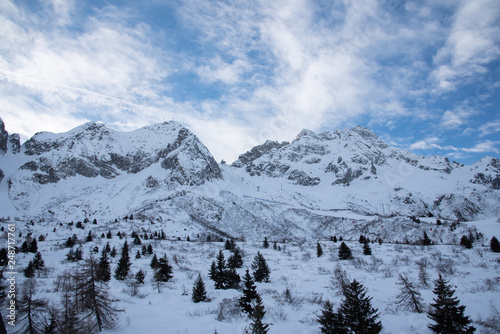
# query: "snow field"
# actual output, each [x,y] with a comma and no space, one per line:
[474,273]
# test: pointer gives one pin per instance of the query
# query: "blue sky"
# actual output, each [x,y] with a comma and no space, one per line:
[423,75]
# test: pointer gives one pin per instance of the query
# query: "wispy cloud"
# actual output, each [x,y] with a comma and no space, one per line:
[241,72]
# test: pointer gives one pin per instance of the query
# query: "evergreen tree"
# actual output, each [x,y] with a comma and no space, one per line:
[137,240]
[249,294]
[124,264]
[113,252]
[362,239]
[138,255]
[140,276]
[107,248]
[260,268]
[331,322]
[150,249]
[334,238]
[109,235]
[366,249]
[319,249]
[426,241]
[199,291]
[265,243]
[24,247]
[218,271]
[103,272]
[229,245]
[409,298]
[154,262]
[447,314]
[235,260]
[144,250]
[344,252]
[29,271]
[38,262]
[164,271]
[33,248]
[257,326]
[89,237]
[466,242]
[356,312]
[495,245]
[231,279]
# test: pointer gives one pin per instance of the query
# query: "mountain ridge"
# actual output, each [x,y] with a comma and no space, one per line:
[163,173]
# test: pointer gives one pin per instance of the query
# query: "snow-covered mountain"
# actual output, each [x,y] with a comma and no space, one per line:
[163,173]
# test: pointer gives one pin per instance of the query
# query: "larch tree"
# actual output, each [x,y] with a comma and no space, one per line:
[409,298]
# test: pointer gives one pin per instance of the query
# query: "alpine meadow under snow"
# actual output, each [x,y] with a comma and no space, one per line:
[142,231]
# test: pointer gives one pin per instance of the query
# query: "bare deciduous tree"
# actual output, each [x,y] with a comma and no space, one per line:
[408,298]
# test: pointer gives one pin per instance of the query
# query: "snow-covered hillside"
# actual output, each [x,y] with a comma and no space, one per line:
[305,188]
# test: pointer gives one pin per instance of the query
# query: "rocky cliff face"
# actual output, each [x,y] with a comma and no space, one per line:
[93,150]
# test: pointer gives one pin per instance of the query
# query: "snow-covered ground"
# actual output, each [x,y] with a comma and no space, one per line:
[474,273]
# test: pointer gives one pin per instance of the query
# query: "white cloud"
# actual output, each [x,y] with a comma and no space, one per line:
[484,147]
[489,128]
[472,43]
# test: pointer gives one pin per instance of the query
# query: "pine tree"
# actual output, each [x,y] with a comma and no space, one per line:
[249,294]
[140,276]
[164,270]
[257,326]
[409,298]
[356,311]
[229,245]
[362,239]
[124,264]
[89,237]
[218,271]
[466,242]
[260,268]
[138,254]
[144,250]
[319,249]
[38,262]
[265,243]
[344,252]
[33,248]
[103,272]
[447,314]
[199,291]
[366,249]
[137,240]
[109,235]
[426,241]
[334,238]
[331,322]
[29,271]
[154,262]
[150,249]
[235,260]
[495,245]
[113,252]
